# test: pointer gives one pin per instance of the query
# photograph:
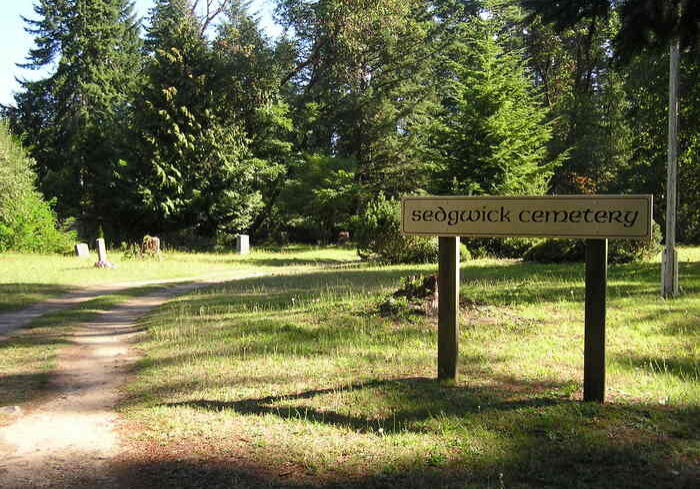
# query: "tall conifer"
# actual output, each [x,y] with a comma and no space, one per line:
[74,118]
[492,133]
[193,169]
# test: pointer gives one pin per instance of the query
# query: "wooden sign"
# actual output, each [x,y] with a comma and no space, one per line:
[594,217]
[560,216]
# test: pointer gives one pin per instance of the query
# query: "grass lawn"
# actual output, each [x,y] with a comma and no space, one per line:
[28,278]
[296,380]
[27,358]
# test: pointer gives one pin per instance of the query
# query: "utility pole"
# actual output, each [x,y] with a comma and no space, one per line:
[669,269]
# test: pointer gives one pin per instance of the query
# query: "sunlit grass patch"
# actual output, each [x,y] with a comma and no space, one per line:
[28,278]
[300,378]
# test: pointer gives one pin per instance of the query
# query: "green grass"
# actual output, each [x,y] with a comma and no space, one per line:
[293,380]
[28,358]
[28,278]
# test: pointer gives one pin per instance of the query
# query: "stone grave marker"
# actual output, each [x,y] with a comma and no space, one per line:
[82,250]
[101,250]
[102,261]
[243,244]
[150,246]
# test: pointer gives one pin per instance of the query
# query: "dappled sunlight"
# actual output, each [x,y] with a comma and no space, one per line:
[301,380]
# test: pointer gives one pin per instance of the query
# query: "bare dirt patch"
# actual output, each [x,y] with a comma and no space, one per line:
[70,441]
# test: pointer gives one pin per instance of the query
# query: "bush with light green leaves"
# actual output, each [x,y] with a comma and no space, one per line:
[27,221]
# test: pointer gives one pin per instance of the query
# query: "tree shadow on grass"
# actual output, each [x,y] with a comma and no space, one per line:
[287,260]
[28,354]
[19,389]
[684,368]
[538,437]
[514,283]
[549,465]
[545,442]
[411,400]
[18,295]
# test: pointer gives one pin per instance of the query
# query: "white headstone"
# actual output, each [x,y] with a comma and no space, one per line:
[82,250]
[243,244]
[101,250]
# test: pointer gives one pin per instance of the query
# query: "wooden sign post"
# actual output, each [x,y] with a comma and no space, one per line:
[594,328]
[595,218]
[448,308]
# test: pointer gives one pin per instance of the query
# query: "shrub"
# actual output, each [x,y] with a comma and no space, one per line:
[572,250]
[378,235]
[635,250]
[499,247]
[556,251]
[464,253]
[27,221]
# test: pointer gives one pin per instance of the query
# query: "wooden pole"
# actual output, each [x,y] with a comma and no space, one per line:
[594,341]
[448,308]
[669,272]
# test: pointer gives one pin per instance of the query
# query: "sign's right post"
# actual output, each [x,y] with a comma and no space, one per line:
[594,341]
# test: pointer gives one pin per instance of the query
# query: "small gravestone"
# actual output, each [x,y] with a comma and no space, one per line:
[82,250]
[102,261]
[11,410]
[101,250]
[243,244]
[150,246]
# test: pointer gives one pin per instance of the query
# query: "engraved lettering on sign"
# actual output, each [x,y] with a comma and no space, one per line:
[585,216]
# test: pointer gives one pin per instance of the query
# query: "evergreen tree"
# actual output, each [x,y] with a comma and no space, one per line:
[194,170]
[248,71]
[364,87]
[491,135]
[74,120]
[645,24]
[646,83]
[619,131]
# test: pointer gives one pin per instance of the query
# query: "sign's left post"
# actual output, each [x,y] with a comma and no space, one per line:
[448,308]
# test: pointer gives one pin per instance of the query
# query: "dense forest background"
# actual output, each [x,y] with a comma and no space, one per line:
[195,125]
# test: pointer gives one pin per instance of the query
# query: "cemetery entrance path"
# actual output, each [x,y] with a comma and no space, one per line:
[12,321]
[70,441]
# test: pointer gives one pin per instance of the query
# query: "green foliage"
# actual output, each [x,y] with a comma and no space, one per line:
[318,197]
[556,251]
[635,250]
[645,23]
[499,247]
[608,114]
[378,236]
[208,128]
[619,250]
[74,120]
[196,169]
[491,135]
[364,83]
[464,253]
[27,221]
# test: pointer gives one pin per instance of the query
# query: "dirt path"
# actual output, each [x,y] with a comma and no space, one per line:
[12,321]
[70,441]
